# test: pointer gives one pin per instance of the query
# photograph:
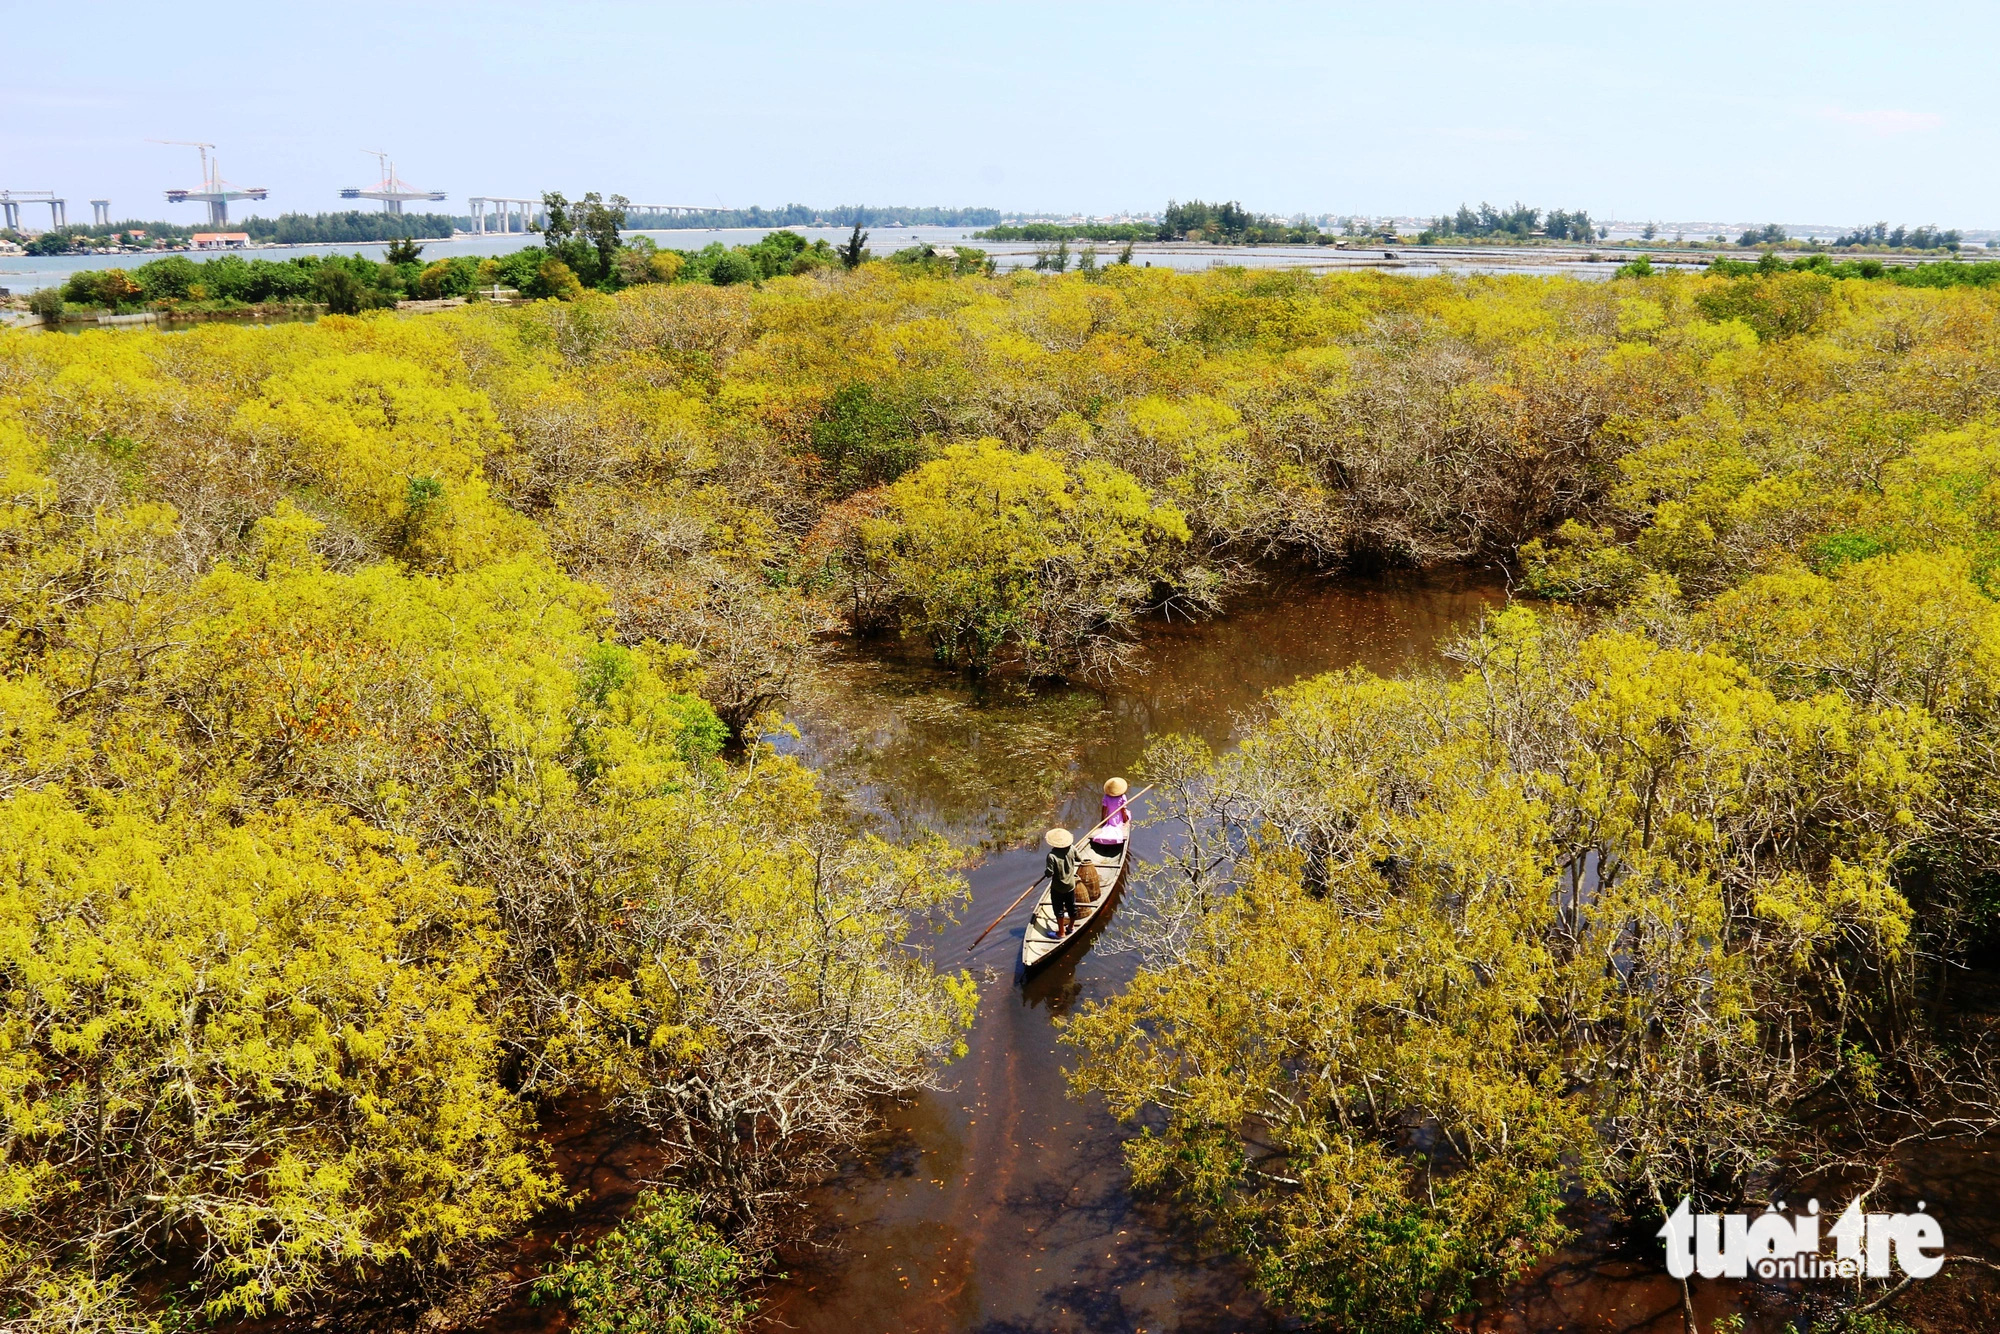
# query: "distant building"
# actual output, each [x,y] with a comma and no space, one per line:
[9,248]
[221,240]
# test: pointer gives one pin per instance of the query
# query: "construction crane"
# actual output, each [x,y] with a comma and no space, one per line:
[215,192]
[392,192]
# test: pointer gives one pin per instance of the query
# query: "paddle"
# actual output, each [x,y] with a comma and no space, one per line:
[1045,875]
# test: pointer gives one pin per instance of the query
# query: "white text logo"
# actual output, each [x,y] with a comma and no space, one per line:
[1775,1246]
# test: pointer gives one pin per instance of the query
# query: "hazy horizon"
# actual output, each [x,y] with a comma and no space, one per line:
[1622,110]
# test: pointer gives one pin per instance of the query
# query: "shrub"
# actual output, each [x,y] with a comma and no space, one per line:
[83,288]
[553,278]
[733,267]
[991,549]
[519,270]
[168,279]
[666,265]
[661,1271]
[339,290]
[862,440]
[187,1008]
[452,277]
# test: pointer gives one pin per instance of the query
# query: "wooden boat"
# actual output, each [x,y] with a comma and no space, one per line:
[1040,945]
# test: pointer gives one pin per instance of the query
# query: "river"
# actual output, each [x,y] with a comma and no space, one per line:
[1002,1204]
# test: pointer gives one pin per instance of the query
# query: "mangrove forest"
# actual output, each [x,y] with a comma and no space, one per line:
[397,773]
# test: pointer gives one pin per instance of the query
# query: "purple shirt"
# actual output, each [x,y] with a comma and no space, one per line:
[1116,817]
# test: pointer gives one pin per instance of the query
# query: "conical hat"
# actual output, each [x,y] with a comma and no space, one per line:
[1114,787]
[1058,838]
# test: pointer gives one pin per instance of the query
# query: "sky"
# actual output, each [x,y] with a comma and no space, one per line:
[1837,113]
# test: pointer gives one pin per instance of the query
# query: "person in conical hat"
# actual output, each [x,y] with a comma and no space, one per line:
[1061,870]
[1108,839]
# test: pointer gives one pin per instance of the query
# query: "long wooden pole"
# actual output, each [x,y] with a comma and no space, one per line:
[1004,911]
[1045,875]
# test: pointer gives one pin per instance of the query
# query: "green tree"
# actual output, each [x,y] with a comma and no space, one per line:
[733,267]
[774,252]
[51,243]
[84,288]
[453,277]
[862,440]
[519,270]
[1769,234]
[168,279]
[558,225]
[854,252]
[599,222]
[565,241]
[339,290]
[584,235]
[661,1271]
[553,278]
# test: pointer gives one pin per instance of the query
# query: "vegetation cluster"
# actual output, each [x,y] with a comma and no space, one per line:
[285,229]
[348,831]
[1071,231]
[1882,236]
[1878,237]
[383,769]
[343,284]
[350,225]
[1232,224]
[583,251]
[1956,273]
[1520,223]
[1195,220]
[1668,886]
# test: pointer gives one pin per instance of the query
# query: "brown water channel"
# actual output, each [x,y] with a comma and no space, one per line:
[1002,1204]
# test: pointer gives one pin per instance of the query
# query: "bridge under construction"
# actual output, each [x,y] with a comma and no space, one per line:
[508,215]
[391,191]
[529,215]
[11,201]
[214,192]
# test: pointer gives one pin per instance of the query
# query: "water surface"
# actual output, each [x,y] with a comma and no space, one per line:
[1002,1204]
